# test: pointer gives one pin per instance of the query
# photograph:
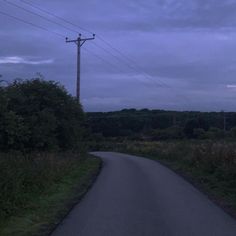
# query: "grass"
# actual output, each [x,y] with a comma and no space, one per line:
[38,191]
[210,166]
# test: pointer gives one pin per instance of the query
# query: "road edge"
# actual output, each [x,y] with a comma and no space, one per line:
[77,199]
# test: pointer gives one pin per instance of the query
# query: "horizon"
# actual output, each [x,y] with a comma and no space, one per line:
[140,109]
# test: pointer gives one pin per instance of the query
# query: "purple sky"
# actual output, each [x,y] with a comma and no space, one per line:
[182,53]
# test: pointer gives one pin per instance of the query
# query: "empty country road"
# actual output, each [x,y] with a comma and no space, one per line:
[134,196]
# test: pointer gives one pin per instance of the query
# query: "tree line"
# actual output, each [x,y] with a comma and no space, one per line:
[162,125]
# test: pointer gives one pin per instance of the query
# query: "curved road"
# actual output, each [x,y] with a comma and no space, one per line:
[134,196]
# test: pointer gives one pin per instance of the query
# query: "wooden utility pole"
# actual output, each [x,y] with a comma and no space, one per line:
[224,120]
[79,42]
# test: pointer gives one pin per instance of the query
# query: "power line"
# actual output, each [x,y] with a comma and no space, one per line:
[62,25]
[106,61]
[116,57]
[107,51]
[127,59]
[102,59]
[128,65]
[56,16]
[32,24]
[145,74]
[75,25]
[40,27]
[57,24]
[34,13]
[29,23]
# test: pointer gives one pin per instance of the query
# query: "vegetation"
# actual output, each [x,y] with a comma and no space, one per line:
[199,145]
[37,191]
[43,160]
[156,125]
[39,115]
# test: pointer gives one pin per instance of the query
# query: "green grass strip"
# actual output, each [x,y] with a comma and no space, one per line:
[40,215]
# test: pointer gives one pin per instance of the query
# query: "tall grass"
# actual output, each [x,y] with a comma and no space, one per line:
[208,156]
[24,176]
[217,158]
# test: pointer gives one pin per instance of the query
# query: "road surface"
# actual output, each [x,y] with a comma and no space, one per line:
[134,196]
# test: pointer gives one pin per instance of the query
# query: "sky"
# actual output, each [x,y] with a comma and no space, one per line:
[156,54]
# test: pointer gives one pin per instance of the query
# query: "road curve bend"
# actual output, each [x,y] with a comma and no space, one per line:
[134,196]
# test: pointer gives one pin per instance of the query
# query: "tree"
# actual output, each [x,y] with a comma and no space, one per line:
[39,115]
[199,133]
[215,133]
[233,132]
[189,128]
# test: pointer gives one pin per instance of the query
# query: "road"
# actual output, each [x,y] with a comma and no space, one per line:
[134,196]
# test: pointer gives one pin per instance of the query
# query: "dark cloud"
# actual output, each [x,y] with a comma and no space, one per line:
[154,15]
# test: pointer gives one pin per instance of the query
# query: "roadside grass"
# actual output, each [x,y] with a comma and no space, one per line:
[209,165]
[36,198]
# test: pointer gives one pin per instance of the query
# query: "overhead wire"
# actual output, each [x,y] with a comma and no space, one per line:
[31,12]
[126,64]
[124,57]
[34,13]
[147,76]
[45,18]
[56,16]
[32,24]
[61,36]
[102,59]
[107,51]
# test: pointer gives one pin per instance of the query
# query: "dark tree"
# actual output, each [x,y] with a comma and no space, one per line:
[38,114]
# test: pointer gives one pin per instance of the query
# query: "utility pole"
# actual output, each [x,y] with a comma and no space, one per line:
[224,120]
[174,120]
[79,42]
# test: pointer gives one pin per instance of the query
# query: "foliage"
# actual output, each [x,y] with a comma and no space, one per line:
[174,132]
[38,190]
[39,115]
[161,125]
[42,131]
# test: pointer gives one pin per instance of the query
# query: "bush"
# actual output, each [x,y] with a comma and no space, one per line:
[174,132]
[199,133]
[39,115]
[215,133]
[233,132]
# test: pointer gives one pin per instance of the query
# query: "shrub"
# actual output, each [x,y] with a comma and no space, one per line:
[39,115]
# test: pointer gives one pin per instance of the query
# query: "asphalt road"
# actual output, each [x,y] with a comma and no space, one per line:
[134,196]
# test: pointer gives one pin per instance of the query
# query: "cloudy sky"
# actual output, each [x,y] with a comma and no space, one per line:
[160,54]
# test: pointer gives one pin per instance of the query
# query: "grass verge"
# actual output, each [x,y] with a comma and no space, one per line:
[44,210]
